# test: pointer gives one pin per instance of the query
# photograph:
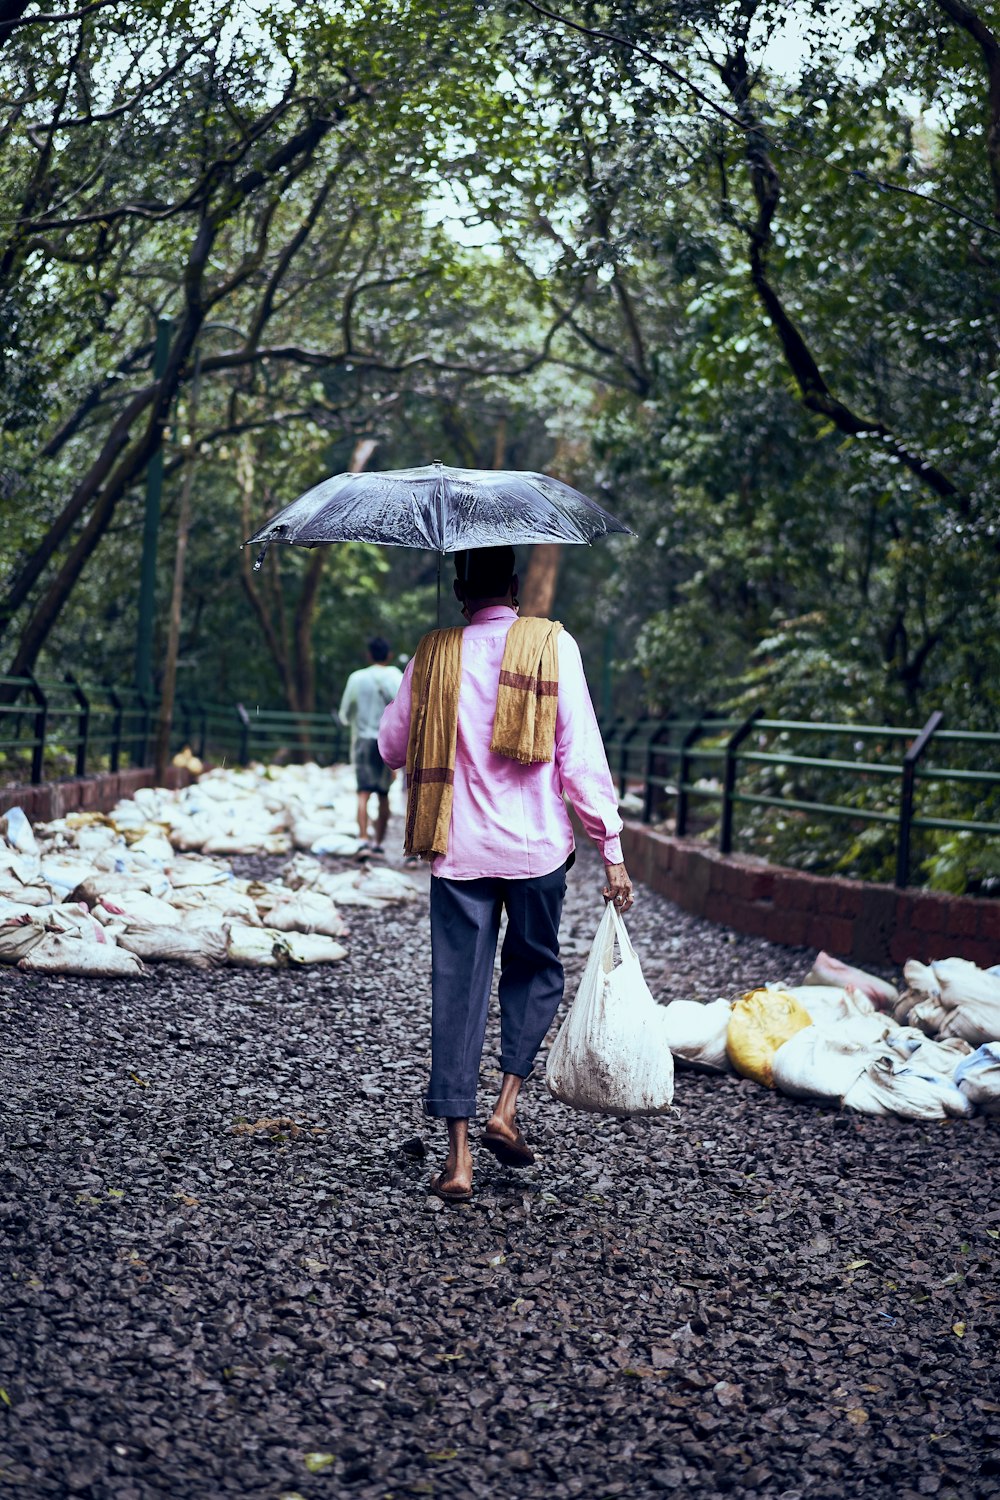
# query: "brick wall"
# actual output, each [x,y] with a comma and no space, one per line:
[854,920]
[54,799]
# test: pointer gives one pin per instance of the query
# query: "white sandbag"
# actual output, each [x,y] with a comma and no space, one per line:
[247,843]
[828,1003]
[866,1031]
[387,885]
[62,875]
[188,873]
[923,990]
[696,1034]
[203,949]
[255,947]
[894,1087]
[971,998]
[612,1055]
[939,1057]
[96,838]
[338,845]
[28,895]
[816,1065]
[153,845]
[187,834]
[112,883]
[301,872]
[17,869]
[18,935]
[978,1076]
[307,831]
[14,908]
[17,831]
[313,948]
[306,911]
[61,953]
[74,917]
[831,971]
[136,906]
[226,900]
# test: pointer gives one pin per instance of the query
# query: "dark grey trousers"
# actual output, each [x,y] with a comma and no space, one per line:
[465,926]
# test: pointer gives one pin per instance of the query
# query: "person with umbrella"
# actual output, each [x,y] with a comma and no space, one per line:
[494,722]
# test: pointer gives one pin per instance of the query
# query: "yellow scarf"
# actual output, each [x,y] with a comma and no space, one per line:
[523,727]
[430,750]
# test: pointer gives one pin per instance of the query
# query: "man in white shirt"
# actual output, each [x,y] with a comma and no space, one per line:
[366,695]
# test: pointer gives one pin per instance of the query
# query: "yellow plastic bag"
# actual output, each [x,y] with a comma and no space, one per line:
[759,1024]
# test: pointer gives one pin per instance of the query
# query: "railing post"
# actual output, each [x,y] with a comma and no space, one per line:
[910,759]
[244,718]
[142,743]
[649,793]
[41,728]
[624,745]
[116,728]
[733,743]
[82,724]
[683,773]
[202,715]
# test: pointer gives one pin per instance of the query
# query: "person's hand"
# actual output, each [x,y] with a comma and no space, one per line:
[618,887]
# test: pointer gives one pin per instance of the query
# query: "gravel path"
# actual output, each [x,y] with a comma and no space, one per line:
[750,1297]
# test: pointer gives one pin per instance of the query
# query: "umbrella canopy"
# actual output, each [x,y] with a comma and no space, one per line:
[442,509]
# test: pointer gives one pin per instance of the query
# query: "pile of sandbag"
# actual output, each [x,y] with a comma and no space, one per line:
[832,1041]
[951,998]
[104,894]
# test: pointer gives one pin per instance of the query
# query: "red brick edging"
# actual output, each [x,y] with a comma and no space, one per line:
[54,799]
[854,920]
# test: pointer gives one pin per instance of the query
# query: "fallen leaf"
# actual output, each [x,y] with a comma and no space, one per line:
[855,1265]
[856,1415]
[443,1455]
[4,1397]
[317,1463]
[278,1123]
[140,1081]
[958,1329]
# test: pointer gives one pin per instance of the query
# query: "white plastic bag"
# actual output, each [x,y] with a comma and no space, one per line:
[612,1055]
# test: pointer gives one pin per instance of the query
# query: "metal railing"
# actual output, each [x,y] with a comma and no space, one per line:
[885,775]
[51,729]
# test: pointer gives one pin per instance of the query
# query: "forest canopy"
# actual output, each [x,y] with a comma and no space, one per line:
[731,268]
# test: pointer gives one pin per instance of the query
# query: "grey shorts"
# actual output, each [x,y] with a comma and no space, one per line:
[371,770]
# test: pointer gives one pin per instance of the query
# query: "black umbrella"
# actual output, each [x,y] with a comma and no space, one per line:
[442,509]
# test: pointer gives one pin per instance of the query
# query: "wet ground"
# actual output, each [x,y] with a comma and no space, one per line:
[749,1297]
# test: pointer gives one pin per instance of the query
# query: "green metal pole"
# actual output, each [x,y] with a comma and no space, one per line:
[150,534]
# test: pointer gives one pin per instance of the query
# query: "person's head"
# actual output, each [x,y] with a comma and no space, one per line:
[485,575]
[378,649]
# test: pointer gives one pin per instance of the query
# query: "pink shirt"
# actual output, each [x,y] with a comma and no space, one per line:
[509,820]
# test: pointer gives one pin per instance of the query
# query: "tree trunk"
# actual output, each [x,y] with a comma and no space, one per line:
[538,589]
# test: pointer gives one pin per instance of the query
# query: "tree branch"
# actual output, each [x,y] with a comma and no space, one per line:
[973,24]
[638,51]
[816,394]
